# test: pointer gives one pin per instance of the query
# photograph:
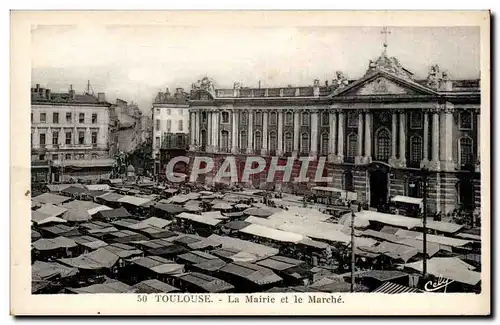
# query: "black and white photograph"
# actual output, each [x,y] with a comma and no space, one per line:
[256,160]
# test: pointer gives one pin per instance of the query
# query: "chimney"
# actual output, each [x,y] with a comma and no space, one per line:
[47,94]
[179,91]
[167,92]
[259,84]
[326,83]
[71,92]
[37,87]
[101,97]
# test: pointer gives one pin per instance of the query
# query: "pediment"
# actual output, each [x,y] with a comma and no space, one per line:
[382,84]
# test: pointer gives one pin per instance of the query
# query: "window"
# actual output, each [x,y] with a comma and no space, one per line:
[180,141]
[258,141]
[55,137]
[244,118]
[55,157]
[157,127]
[157,142]
[94,156]
[288,142]
[31,117]
[243,140]
[383,145]
[158,111]
[258,118]
[416,120]
[69,136]
[94,137]
[225,140]
[180,125]
[465,120]
[94,118]
[169,111]
[273,118]
[288,118]
[352,145]
[43,117]
[225,117]
[204,117]
[81,118]
[55,117]
[324,143]
[304,143]
[415,148]
[305,118]
[169,125]
[68,117]
[41,157]
[81,156]
[466,151]
[352,119]
[81,137]
[67,156]
[273,141]
[32,139]
[325,119]
[42,139]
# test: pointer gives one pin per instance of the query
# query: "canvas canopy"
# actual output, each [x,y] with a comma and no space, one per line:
[41,218]
[199,219]
[52,210]
[46,244]
[51,198]
[271,233]
[408,200]
[255,250]
[449,267]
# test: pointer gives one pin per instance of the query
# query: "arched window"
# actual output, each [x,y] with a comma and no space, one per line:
[243,140]
[225,117]
[273,141]
[244,118]
[304,143]
[465,151]
[383,145]
[273,118]
[352,145]
[258,118]
[288,118]
[348,181]
[258,141]
[305,118]
[224,141]
[465,120]
[288,142]
[204,117]
[415,148]
[324,143]
[325,119]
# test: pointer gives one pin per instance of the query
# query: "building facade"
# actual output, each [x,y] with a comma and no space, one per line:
[377,132]
[170,116]
[69,135]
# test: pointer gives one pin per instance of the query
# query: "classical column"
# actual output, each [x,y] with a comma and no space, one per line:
[209,131]
[368,137]
[332,150]
[402,138]
[296,130]
[435,139]
[197,128]
[264,133]
[340,142]
[425,158]
[234,134]
[250,132]
[215,131]
[447,137]
[478,142]
[394,135]
[314,133]
[280,133]
[192,129]
[359,155]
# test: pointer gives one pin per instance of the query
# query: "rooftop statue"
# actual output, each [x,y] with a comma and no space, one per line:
[340,81]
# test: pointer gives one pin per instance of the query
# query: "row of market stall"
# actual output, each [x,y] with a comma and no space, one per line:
[123,238]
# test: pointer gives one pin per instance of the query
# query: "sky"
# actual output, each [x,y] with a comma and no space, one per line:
[135,62]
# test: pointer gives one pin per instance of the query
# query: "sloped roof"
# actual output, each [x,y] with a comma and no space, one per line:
[51,198]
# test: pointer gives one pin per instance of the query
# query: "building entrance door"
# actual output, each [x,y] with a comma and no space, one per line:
[379,189]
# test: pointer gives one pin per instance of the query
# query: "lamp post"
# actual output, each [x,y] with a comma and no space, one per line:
[425,174]
[353,257]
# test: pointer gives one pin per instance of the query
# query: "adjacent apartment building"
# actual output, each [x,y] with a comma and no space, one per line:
[69,136]
[170,125]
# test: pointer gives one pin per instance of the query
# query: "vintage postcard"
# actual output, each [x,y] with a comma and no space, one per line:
[250,163]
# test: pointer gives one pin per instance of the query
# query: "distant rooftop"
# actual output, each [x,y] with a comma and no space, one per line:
[40,95]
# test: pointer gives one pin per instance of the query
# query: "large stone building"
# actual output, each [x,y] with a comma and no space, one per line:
[377,131]
[69,136]
[170,126]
